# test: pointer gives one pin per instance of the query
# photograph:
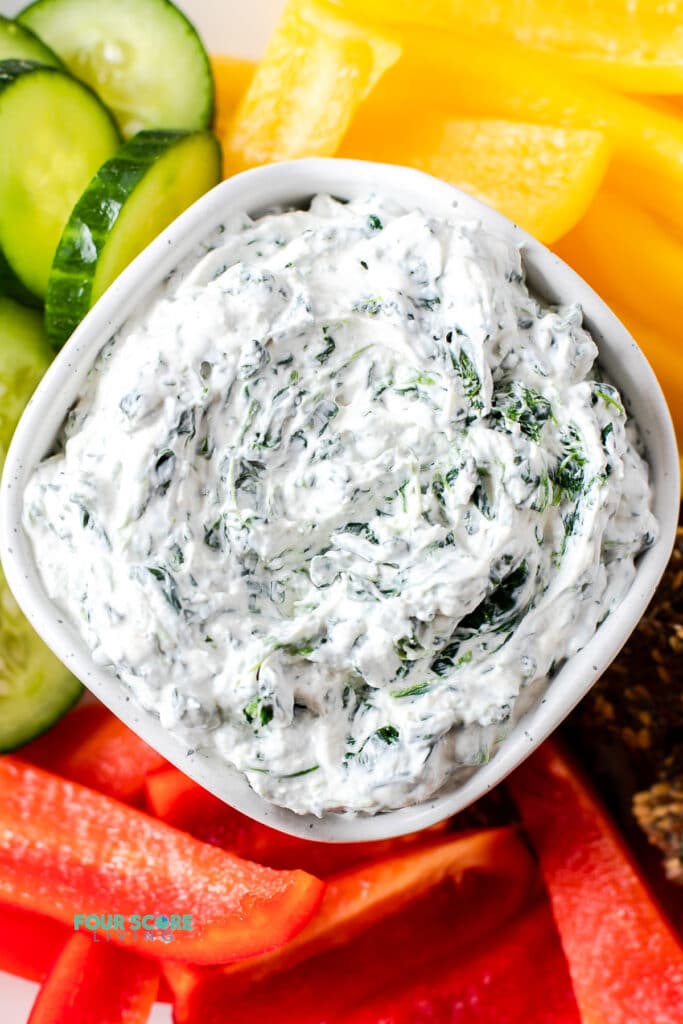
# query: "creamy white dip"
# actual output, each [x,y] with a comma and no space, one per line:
[335,494]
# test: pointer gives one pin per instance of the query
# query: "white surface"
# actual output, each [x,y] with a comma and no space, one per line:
[226,26]
[290,184]
[17,996]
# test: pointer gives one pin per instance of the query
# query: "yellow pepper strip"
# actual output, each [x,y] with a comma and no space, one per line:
[231,77]
[667,104]
[622,251]
[542,177]
[631,45]
[652,191]
[317,69]
[480,78]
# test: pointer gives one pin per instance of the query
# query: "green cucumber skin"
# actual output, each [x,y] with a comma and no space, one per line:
[37,17]
[12,288]
[10,70]
[92,221]
[25,44]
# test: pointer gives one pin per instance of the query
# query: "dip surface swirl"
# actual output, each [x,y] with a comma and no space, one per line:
[335,494]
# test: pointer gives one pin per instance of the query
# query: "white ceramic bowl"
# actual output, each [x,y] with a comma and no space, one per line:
[292,184]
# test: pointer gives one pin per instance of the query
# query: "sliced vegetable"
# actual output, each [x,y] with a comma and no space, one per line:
[24,357]
[54,134]
[635,47]
[11,286]
[443,926]
[480,77]
[180,802]
[133,196]
[622,250]
[318,67]
[143,57]
[35,688]
[625,962]
[231,77]
[542,177]
[93,747]
[18,43]
[653,191]
[29,943]
[518,977]
[65,849]
[357,899]
[96,983]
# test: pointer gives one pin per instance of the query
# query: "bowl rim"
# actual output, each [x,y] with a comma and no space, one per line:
[254,191]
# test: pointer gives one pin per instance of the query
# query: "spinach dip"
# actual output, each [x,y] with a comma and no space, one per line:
[335,494]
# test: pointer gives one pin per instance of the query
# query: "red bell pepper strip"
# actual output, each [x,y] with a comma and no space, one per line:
[180,802]
[358,898]
[96,983]
[625,962]
[29,943]
[66,850]
[91,746]
[519,977]
[347,952]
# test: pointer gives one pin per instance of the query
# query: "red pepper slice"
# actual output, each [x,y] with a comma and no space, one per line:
[96,983]
[29,943]
[520,977]
[66,850]
[625,961]
[180,802]
[91,746]
[358,898]
[346,955]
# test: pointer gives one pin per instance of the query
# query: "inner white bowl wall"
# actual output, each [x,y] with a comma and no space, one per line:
[293,184]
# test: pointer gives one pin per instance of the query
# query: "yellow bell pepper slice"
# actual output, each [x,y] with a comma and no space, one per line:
[632,45]
[622,251]
[318,67]
[542,177]
[231,78]
[652,191]
[472,77]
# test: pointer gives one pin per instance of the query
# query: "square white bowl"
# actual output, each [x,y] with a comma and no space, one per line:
[538,711]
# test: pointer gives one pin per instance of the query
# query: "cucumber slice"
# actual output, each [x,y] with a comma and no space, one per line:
[146,185]
[11,286]
[143,57]
[54,134]
[19,43]
[35,688]
[24,357]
